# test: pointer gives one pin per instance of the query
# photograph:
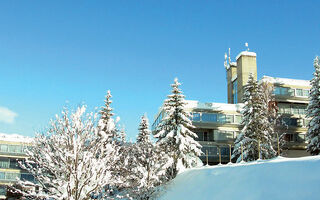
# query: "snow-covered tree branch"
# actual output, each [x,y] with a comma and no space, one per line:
[67,160]
[313,111]
[174,133]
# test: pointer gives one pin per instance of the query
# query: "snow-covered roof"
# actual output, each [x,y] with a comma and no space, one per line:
[15,138]
[214,106]
[246,53]
[285,81]
[231,64]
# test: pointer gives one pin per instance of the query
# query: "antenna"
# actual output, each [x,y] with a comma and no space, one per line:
[225,60]
[247,45]
[229,57]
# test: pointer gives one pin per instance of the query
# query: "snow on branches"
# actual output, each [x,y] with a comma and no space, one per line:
[66,160]
[174,134]
[257,128]
[313,111]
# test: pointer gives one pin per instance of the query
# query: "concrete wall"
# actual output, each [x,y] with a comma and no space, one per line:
[245,65]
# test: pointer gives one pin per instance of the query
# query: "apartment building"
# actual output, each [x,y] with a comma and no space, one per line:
[12,151]
[218,124]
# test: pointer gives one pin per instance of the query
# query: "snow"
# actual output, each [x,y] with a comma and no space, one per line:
[234,78]
[214,106]
[15,138]
[246,53]
[279,178]
[286,81]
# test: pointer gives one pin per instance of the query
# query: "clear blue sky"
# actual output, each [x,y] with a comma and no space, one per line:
[57,51]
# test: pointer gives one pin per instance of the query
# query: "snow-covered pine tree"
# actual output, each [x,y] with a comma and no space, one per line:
[109,132]
[65,160]
[174,134]
[150,164]
[123,136]
[256,126]
[313,111]
[107,124]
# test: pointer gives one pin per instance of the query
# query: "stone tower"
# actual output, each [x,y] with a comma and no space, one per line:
[238,74]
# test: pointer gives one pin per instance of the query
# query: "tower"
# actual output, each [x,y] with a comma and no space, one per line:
[238,74]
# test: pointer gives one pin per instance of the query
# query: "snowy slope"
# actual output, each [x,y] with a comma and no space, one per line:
[280,178]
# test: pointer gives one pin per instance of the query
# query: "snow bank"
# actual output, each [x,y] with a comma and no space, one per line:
[280,178]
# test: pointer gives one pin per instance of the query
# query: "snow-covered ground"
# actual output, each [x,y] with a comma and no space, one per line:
[280,178]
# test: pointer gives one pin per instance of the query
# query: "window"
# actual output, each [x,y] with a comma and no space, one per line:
[12,176]
[295,137]
[2,175]
[295,110]
[229,118]
[292,109]
[220,135]
[27,177]
[235,92]
[212,151]
[305,93]
[301,137]
[224,151]
[14,164]
[4,148]
[205,136]
[306,122]
[4,163]
[302,110]
[290,121]
[200,136]
[277,91]
[237,119]
[3,190]
[221,118]
[196,117]
[287,109]
[209,117]
[284,91]
[299,92]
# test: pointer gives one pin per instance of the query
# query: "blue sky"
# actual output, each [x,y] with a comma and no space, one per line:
[54,52]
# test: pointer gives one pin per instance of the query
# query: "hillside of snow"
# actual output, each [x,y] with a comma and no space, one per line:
[280,178]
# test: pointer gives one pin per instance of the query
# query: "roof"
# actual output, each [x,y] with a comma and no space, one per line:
[15,138]
[214,106]
[246,53]
[286,81]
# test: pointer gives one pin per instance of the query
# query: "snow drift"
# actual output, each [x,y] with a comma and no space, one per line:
[280,178]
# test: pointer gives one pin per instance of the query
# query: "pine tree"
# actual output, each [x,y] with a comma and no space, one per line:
[257,128]
[109,133]
[313,112]
[107,124]
[174,134]
[146,170]
[151,165]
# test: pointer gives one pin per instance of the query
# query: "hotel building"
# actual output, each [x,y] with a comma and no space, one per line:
[12,151]
[218,124]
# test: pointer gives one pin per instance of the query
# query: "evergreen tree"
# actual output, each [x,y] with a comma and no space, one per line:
[257,127]
[107,124]
[109,133]
[174,134]
[313,111]
[149,166]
